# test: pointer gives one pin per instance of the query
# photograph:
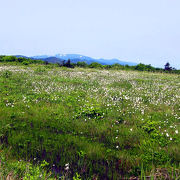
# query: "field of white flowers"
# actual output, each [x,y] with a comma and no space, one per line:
[105,124]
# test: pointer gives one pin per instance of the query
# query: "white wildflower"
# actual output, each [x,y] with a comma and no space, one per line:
[66,167]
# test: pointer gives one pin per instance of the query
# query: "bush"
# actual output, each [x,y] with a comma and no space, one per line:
[95,65]
[6,74]
[1,58]
[21,59]
[82,64]
[8,58]
[26,62]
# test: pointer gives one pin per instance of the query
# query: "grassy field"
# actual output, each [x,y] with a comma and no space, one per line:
[88,123]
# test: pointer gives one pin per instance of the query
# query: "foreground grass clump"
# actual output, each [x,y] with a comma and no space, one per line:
[89,123]
[13,169]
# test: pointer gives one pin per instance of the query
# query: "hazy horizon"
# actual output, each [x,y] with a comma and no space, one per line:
[132,31]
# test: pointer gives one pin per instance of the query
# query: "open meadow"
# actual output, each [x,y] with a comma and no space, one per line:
[87,123]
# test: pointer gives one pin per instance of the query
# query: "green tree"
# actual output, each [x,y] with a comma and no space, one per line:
[82,64]
[167,67]
[95,65]
[9,58]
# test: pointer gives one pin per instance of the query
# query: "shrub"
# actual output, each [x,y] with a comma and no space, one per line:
[82,64]
[95,65]
[26,62]
[6,74]
[8,58]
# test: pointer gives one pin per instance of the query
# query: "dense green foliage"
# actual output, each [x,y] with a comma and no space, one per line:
[139,67]
[91,123]
[22,60]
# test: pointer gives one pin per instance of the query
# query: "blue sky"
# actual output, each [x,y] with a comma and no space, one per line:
[146,31]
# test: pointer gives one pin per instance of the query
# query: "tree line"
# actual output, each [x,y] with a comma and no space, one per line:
[82,64]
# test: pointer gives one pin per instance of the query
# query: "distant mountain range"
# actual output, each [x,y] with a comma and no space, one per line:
[58,58]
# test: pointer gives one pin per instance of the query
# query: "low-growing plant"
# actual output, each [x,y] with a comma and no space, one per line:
[26,62]
[6,74]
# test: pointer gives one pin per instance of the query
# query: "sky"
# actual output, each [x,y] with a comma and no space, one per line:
[146,31]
